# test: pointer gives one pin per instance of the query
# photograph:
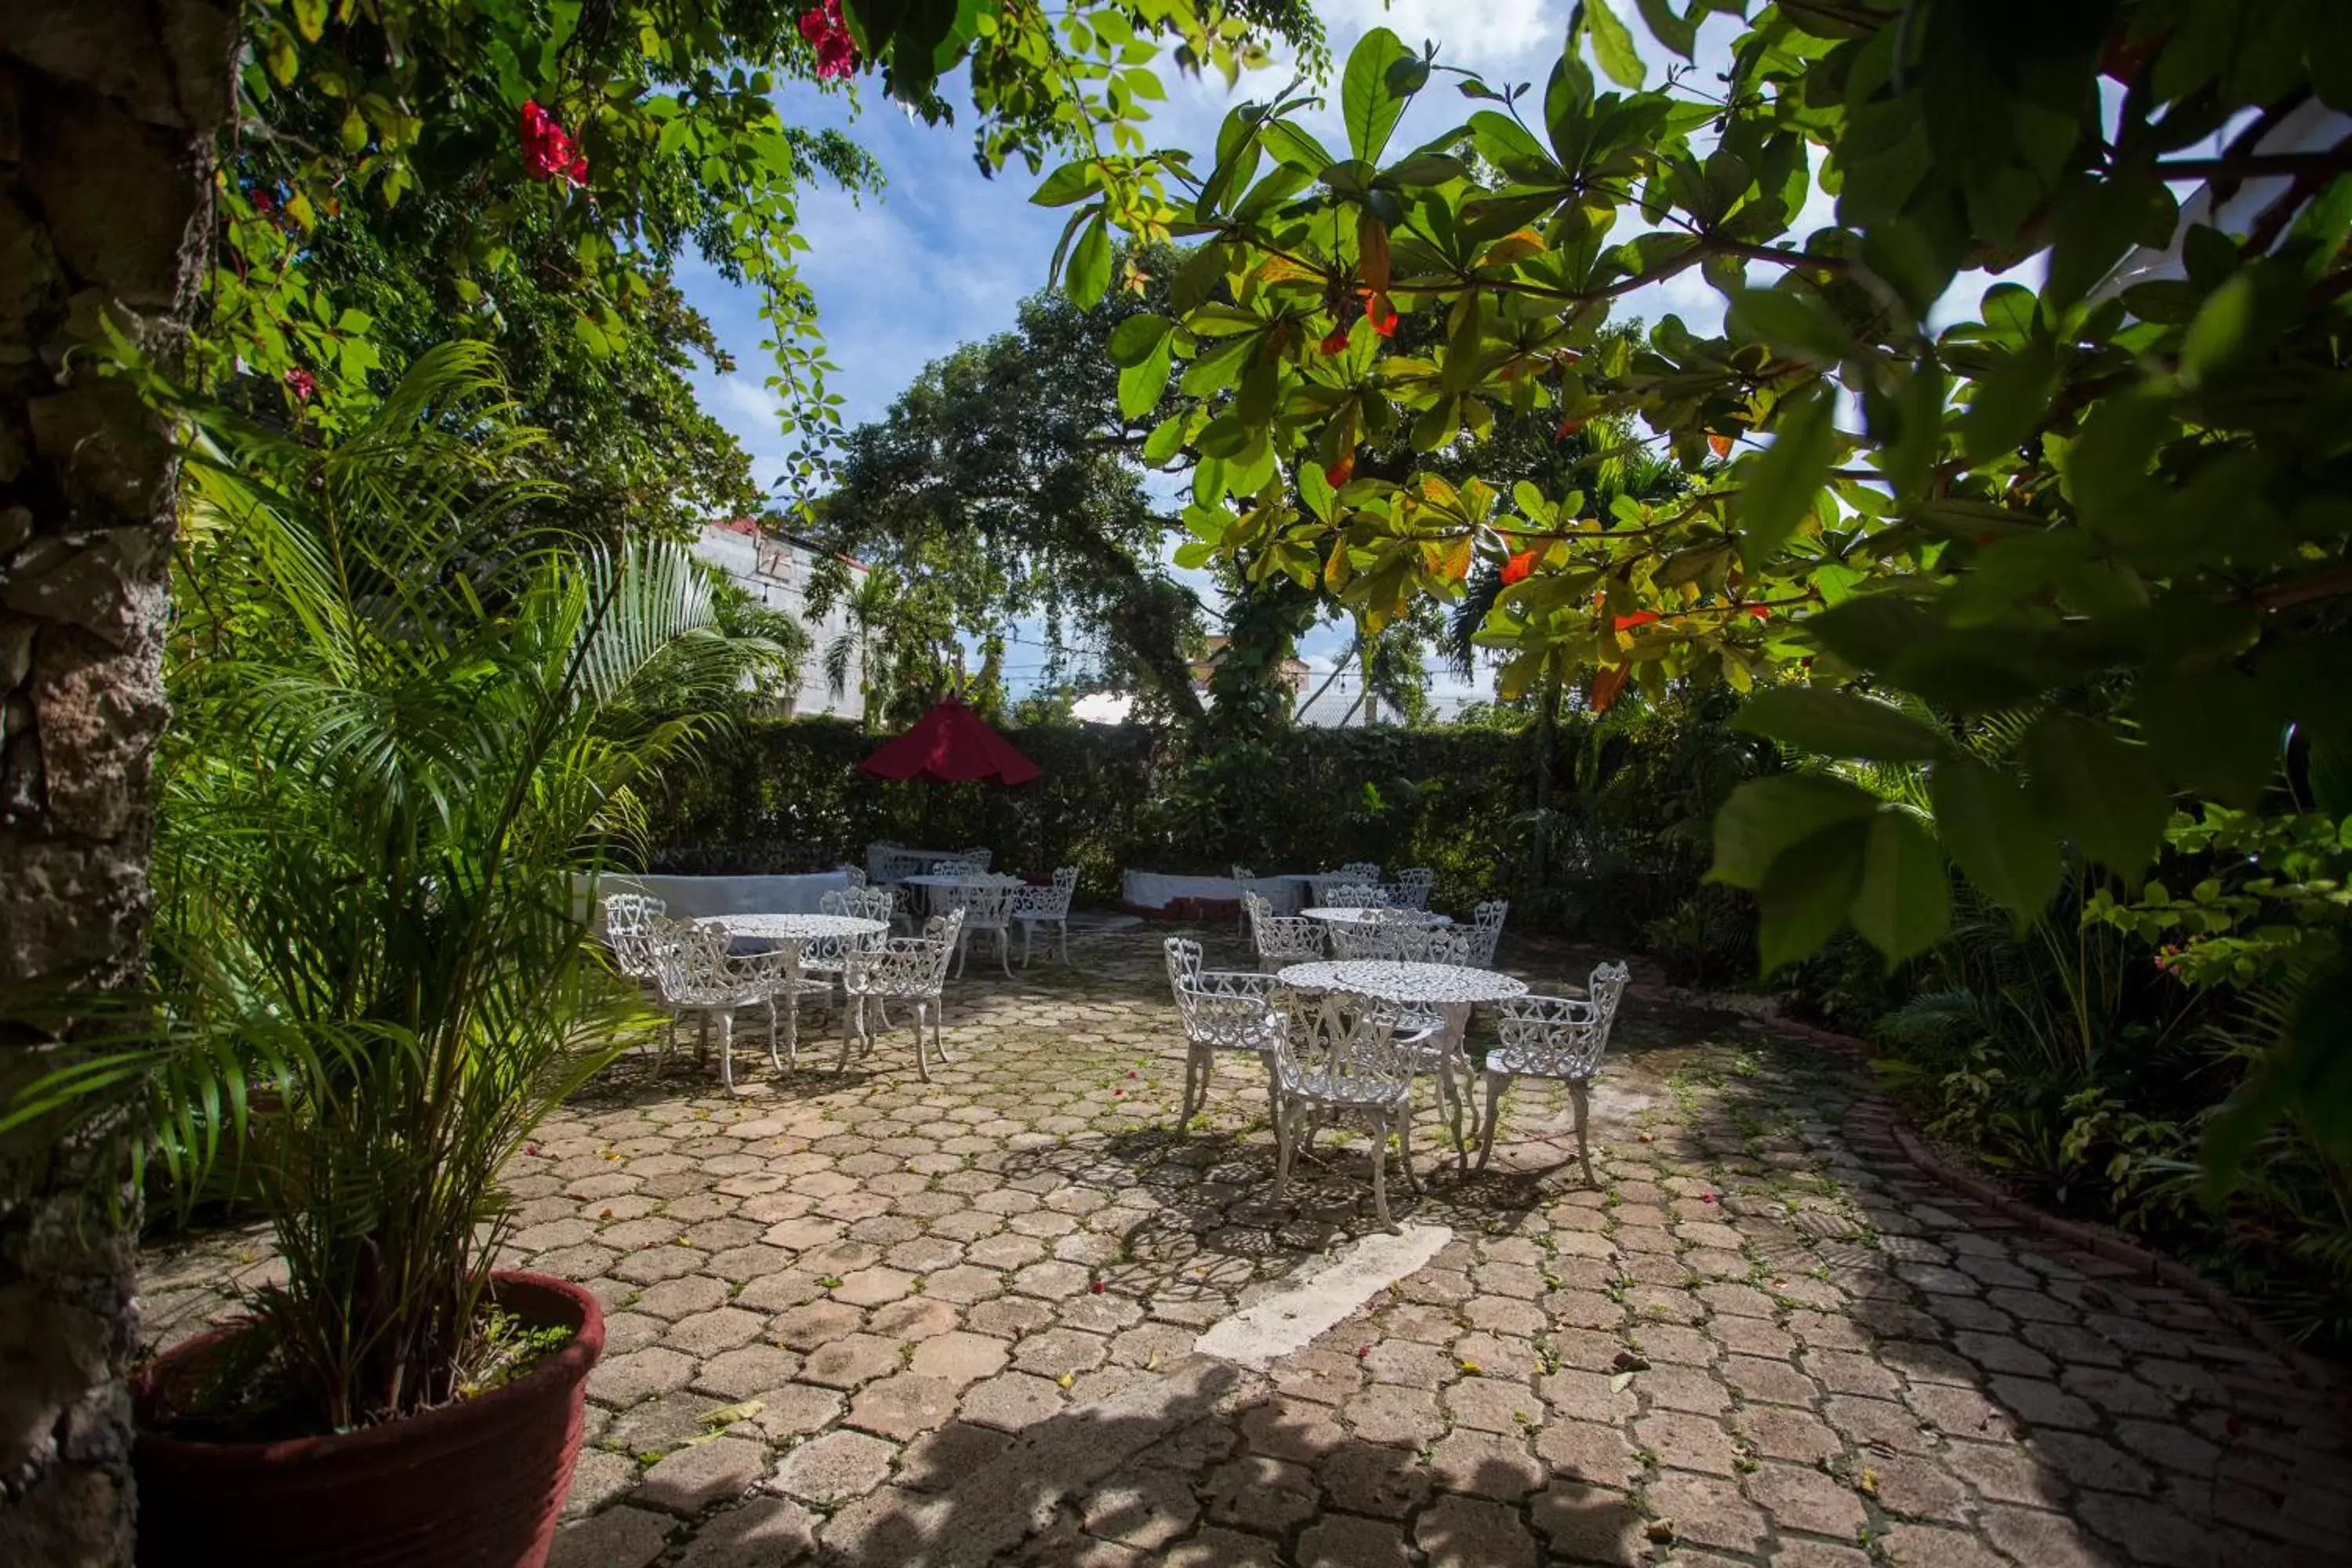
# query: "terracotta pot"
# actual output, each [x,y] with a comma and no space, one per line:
[477,1483]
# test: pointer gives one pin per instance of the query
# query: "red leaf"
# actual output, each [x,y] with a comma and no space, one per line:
[1338,473]
[1608,684]
[1336,343]
[1758,611]
[1720,445]
[1638,618]
[1566,427]
[1381,313]
[1516,568]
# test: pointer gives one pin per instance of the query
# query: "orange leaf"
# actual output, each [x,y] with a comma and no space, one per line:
[1608,684]
[1519,565]
[1382,313]
[1638,618]
[1720,445]
[1338,473]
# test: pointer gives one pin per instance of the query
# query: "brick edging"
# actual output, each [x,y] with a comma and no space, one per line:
[1874,1113]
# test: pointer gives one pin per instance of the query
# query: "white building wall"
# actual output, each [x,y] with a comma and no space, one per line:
[776,572]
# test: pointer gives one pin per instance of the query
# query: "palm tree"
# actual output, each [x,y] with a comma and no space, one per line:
[407,728]
[872,606]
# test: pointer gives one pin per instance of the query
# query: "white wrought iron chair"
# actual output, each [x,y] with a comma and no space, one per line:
[1398,936]
[1361,871]
[698,975]
[985,905]
[1280,939]
[853,876]
[1356,896]
[1334,1060]
[1223,1010]
[1486,922]
[980,855]
[1242,877]
[890,863]
[901,969]
[628,924]
[1556,1038]
[1413,887]
[1035,907]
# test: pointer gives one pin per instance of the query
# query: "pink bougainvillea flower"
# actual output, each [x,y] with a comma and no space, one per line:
[548,150]
[301,383]
[828,35]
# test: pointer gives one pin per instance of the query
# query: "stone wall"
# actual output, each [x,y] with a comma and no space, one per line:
[108,113]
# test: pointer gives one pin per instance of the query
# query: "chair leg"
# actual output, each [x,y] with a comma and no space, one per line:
[1404,1146]
[1004,950]
[1192,1073]
[726,1047]
[963,949]
[1495,1082]
[1381,1173]
[1028,936]
[854,1008]
[1062,939]
[1579,1097]
[1285,1138]
[773,1059]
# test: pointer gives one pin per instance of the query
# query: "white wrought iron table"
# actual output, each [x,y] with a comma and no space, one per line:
[792,933]
[1449,990]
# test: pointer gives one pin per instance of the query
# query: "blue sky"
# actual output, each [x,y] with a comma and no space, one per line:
[944,255]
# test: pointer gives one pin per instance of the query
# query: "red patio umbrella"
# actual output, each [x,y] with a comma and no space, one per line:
[951,743]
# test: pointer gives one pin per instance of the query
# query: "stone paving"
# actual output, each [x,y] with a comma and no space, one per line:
[868,1319]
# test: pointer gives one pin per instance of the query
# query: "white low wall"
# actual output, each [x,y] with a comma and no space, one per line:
[1157,891]
[691,896]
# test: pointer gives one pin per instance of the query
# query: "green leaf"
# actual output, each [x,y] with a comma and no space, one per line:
[2009,401]
[1142,383]
[1197,278]
[1841,724]
[1764,817]
[1991,829]
[1136,337]
[1315,490]
[1292,146]
[1677,33]
[1369,102]
[1796,324]
[1073,182]
[1167,438]
[1905,902]
[2217,732]
[2102,792]
[1613,45]
[1090,277]
[2223,325]
[1805,896]
[1778,488]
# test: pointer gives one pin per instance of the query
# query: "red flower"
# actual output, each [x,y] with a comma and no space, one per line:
[301,383]
[1759,612]
[828,35]
[1516,568]
[548,152]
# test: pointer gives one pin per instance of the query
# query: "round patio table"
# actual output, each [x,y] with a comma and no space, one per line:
[1347,914]
[792,933]
[935,886]
[1449,990]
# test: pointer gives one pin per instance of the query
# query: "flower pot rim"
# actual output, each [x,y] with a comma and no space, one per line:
[570,1364]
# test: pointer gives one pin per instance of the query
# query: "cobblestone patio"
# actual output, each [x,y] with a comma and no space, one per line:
[870,1319]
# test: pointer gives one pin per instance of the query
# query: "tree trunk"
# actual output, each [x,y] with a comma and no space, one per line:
[108,114]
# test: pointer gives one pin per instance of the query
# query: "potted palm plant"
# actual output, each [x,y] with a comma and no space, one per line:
[406,726]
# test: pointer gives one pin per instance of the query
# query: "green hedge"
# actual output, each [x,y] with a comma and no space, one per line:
[1632,795]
